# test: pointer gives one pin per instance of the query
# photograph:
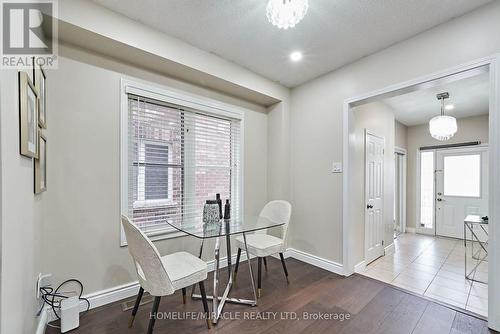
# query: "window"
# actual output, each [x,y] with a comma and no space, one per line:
[153,180]
[177,158]
[455,167]
[155,172]
[427,189]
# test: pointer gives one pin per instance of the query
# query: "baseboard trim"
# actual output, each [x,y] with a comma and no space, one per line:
[316,261]
[43,320]
[360,267]
[390,249]
[124,291]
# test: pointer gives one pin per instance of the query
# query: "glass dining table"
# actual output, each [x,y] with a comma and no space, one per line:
[224,228]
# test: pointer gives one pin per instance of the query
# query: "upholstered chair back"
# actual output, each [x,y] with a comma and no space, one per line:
[278,211]
[151,273]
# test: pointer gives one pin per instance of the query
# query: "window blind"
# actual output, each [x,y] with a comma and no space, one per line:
[177,159]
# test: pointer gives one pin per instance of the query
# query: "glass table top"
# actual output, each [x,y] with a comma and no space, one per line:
[247,223]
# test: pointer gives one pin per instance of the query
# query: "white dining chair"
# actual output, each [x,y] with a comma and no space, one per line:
[261,244]
[162,275]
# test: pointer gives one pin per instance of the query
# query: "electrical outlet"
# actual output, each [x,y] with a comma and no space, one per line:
[42,281]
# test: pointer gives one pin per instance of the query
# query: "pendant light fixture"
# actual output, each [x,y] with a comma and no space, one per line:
[286,13]
[443,127]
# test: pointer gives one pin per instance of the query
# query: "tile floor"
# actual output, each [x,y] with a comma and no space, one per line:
[434,267]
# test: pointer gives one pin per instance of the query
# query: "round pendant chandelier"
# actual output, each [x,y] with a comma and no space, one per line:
[286,13]
[443,127]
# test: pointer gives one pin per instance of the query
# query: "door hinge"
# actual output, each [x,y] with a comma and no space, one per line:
[382,242]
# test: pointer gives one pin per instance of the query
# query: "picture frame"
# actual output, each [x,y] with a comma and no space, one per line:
[40,165]
[28,116]
[39,79]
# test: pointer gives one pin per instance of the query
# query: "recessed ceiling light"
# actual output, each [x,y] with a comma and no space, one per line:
[296,56]
[449,107]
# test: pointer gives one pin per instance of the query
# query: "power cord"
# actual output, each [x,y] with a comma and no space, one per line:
[53,297]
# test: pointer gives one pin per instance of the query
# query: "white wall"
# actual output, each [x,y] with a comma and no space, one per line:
[317,117]
[378,119]
[81,224]
[20,219]
[469,129]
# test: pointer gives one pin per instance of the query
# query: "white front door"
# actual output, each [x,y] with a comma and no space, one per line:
[461,188]
[374,199]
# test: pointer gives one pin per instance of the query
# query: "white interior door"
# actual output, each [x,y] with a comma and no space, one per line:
[374,195]
[461,188]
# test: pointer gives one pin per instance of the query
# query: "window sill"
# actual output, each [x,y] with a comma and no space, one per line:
[168,233]
[151,204]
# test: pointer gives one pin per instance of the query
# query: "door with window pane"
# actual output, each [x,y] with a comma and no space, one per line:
[461,188]
[426,191]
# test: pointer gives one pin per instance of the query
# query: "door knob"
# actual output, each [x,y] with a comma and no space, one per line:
[369,206]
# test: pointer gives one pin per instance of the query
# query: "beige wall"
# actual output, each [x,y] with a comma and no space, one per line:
[83,144]
[21,222]
[78,221]
[82,217]
[469,129]
[378,119]
[401,135]
[317,108]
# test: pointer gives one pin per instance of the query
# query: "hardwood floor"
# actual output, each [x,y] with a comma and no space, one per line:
[372,307]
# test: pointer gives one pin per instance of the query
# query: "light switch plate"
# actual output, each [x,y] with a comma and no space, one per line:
[337,167]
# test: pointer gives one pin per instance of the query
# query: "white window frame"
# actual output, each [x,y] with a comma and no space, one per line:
[462,152]
[418,228]
[402,214]
[192,101]
[142,203]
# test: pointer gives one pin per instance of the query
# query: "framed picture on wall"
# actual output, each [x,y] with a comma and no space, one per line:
[40,84]
[28,116]
[41,165]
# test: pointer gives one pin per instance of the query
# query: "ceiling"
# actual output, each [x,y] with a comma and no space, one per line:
[333,33]
[470,97]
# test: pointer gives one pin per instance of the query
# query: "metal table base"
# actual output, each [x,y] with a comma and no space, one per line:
[218,302]
[478,256]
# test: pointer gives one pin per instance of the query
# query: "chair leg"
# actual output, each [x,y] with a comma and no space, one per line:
[265,263]
[284,267]
[184,295]
[205,304]
[237,264]
[154,312]
[259,276]
[136,307]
